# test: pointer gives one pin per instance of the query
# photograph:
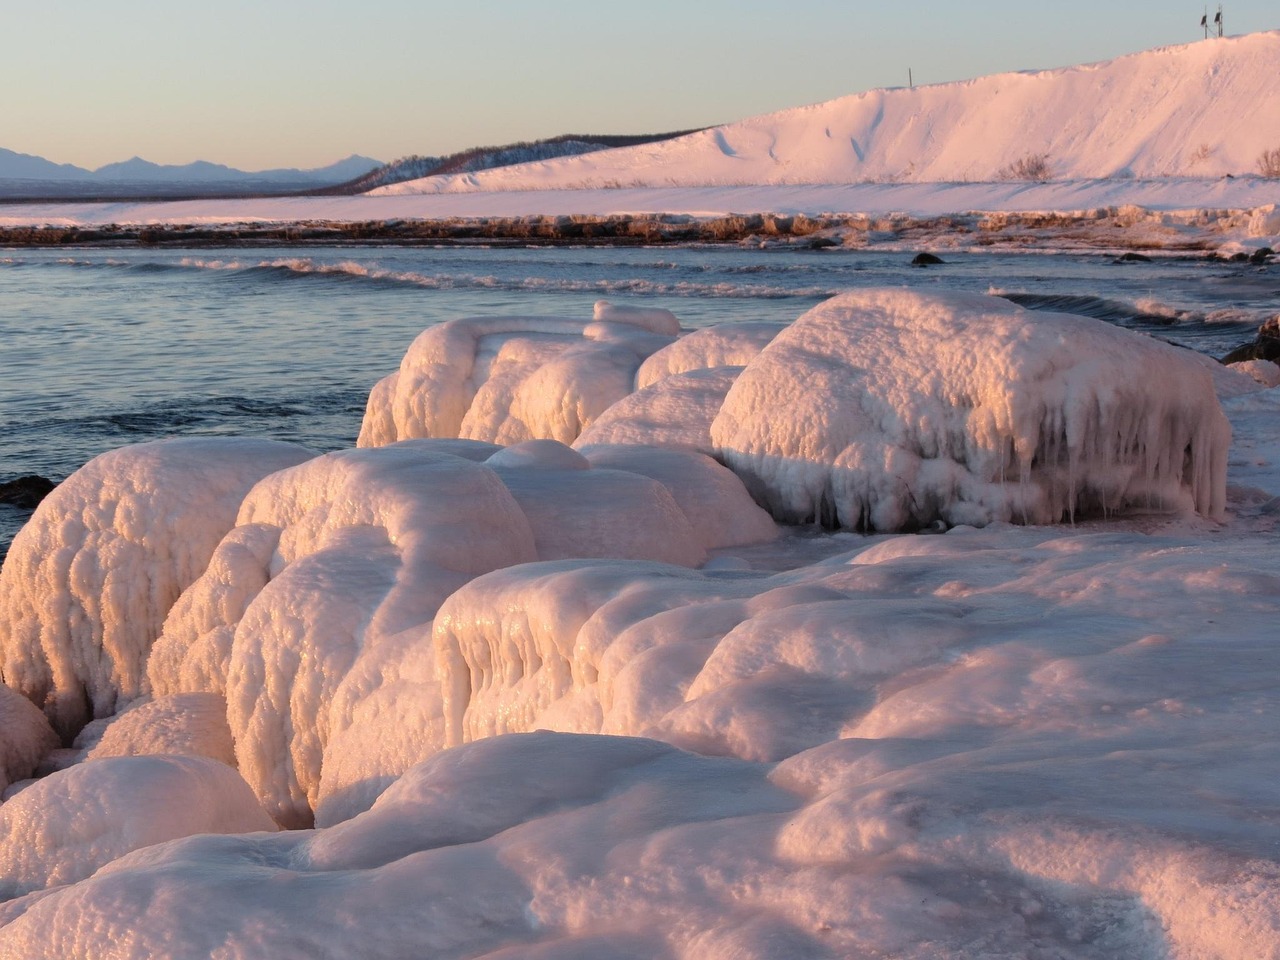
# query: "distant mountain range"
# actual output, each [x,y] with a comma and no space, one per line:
[23,176]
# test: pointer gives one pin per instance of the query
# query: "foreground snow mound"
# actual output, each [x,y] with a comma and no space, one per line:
[561,846]
[511,379]
[892,410]
[89,579]
[63,828]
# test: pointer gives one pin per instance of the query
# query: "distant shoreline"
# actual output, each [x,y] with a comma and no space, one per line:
[1086,231]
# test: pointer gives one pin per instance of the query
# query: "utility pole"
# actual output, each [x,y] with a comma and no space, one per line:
[1218,20]
[910,82]
[1204,21]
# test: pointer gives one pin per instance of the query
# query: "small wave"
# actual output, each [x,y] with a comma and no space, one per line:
[1100,308]
[351,270]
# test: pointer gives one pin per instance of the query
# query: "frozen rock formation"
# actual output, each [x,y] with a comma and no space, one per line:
[510,379]
[892,409]
[89,579]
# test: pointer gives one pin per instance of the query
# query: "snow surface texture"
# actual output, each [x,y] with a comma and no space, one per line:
[507,380]
[1009,742]
[891,410]
[89,579]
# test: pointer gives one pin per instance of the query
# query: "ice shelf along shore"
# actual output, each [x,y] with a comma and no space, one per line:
[615,639]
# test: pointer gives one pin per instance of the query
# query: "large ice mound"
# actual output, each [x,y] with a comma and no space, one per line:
[90,578]
[893,409]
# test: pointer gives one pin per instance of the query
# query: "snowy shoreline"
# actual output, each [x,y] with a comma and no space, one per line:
[1170,214]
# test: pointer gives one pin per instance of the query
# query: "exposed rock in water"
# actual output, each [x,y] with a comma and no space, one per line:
[925,260]
[1132,257]
[25,492]
[1265,346]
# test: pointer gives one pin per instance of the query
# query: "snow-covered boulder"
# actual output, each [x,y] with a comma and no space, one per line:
[891,409]
[64,827]
[184,724]
[90,578]
[511,379]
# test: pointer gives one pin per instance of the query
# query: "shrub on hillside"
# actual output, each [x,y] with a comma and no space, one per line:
[1034,166]
[1269,163]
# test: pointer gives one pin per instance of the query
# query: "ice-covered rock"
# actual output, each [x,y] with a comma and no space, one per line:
[893,409]
[329,559]
[511,379]
[64,827]
[90,578]
[722,345]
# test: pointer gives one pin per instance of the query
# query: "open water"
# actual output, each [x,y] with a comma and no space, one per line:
[105,347]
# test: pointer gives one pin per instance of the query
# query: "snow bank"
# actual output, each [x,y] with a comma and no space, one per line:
[89,579]
[64,827]
[508,380]
[890,409]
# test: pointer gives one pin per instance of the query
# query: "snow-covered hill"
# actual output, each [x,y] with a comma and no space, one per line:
[1205,109]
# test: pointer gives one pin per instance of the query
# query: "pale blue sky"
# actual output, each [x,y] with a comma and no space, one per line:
[269,83]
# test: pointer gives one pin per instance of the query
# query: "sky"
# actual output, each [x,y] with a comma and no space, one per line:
[259,84]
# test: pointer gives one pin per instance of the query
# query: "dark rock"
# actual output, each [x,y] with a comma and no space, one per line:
[25,492]
[926,259]
[1132,258]
[1265,346]
[1261,255]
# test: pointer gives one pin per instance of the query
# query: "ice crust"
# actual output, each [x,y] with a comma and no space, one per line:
[893,410]
[522,730]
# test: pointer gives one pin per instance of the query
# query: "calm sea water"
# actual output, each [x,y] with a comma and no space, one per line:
[107,347]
